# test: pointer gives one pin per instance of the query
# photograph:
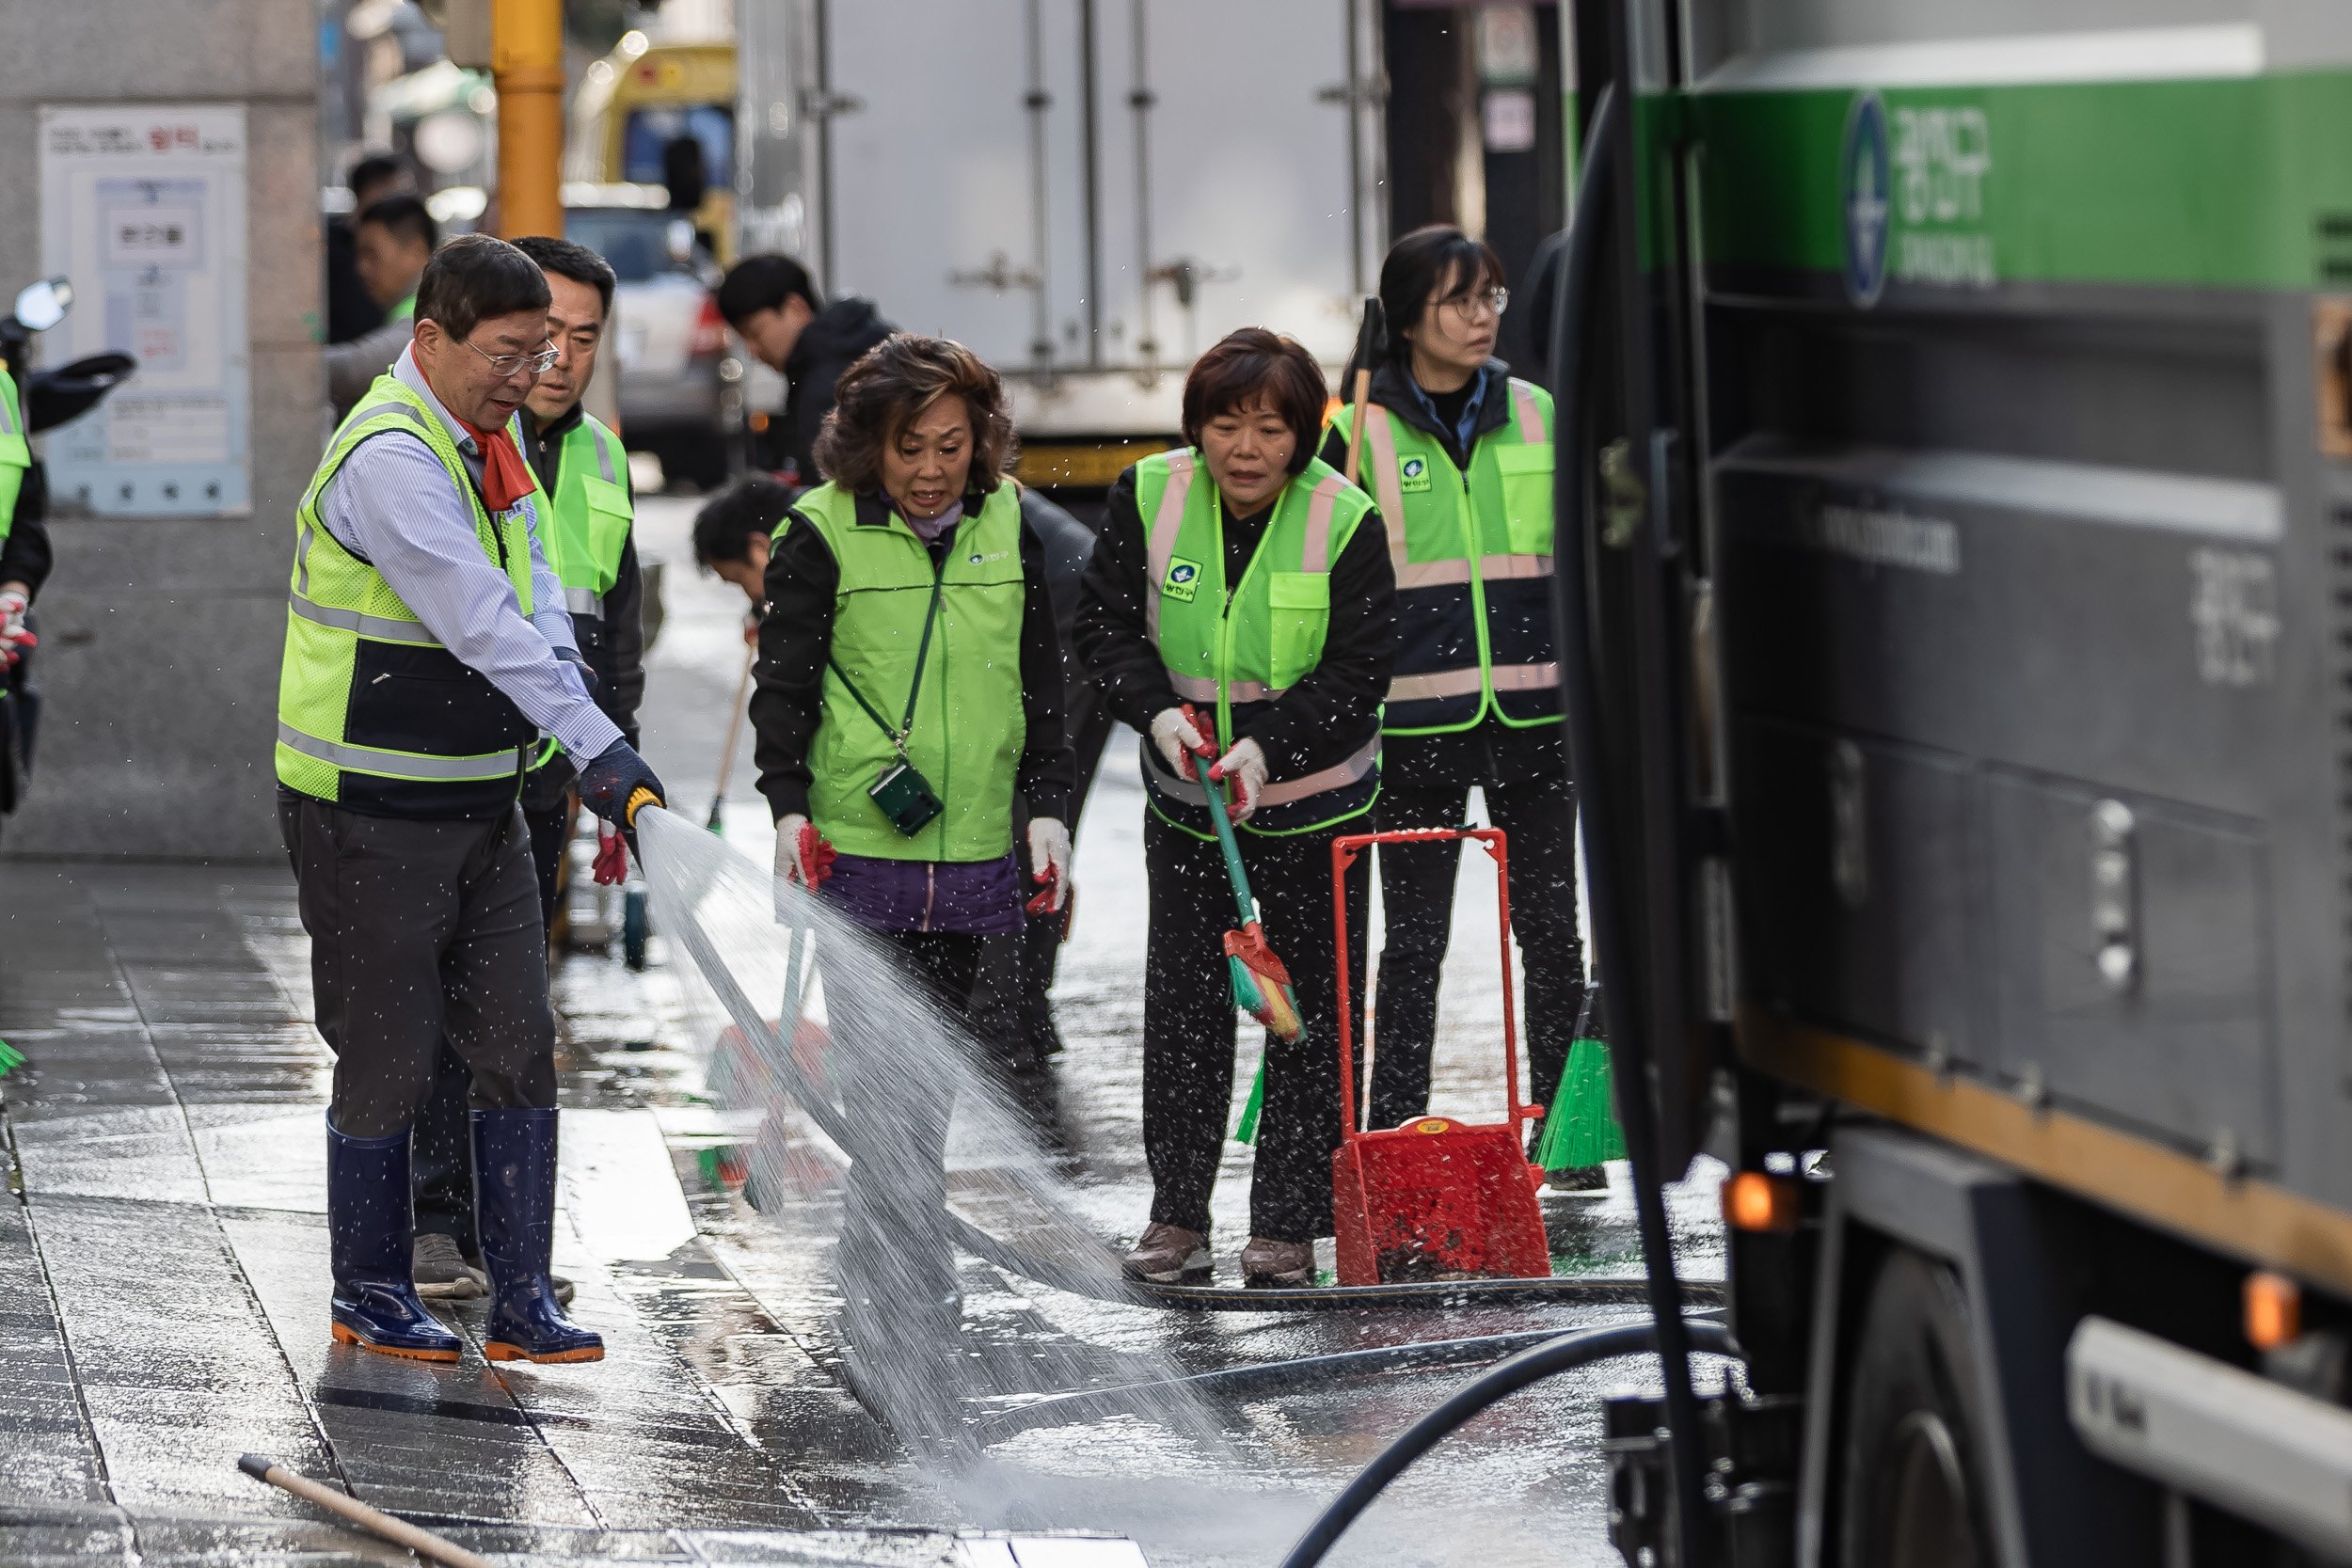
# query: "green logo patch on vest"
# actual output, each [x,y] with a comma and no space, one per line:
[1413,474]
[1183,578]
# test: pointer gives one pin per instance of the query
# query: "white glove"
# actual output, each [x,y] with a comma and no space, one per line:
[1179,740]
[1245,766]
[788,866]
[1049,857]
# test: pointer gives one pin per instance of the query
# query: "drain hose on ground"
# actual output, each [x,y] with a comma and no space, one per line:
[1559,1356]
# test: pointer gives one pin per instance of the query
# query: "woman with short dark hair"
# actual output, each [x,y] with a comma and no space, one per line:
[910,684]
[1237,610]
[1457,455]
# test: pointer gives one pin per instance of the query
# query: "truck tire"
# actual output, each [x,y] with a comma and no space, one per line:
[1911,1495]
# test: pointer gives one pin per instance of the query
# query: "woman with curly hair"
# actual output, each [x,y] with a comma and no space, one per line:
[910,685]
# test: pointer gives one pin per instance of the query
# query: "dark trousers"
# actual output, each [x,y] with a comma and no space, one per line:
[1012,1011]
[440,1146]
[1188,1024]
[892,1239]
[419,932]
[1539,815]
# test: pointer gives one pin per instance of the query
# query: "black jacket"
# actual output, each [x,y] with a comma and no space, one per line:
[1317,723]
[829,344]
[1068,546]
[614,646]
[1493,751]
[802,584]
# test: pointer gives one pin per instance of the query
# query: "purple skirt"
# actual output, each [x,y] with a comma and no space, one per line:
[977,897]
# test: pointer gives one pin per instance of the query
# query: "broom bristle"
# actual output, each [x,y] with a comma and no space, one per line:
[1280,1014]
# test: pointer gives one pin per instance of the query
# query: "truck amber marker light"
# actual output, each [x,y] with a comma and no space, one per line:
[1754,1200]
[2274,1311]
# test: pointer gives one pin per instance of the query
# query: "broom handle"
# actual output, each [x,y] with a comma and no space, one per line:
[424,1542]
[1214,793]
[735,729]
[1355,423]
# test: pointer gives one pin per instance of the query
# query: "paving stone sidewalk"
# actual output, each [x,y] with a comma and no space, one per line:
[164,1284]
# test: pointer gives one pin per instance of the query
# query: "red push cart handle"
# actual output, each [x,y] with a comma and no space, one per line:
[1498,845]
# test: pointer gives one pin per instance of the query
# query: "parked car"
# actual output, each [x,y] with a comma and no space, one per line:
[669,340]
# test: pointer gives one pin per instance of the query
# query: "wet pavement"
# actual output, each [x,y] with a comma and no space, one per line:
[163,1265]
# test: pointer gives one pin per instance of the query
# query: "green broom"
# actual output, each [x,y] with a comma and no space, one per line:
[10,1058]
[1262,986]
[1581,1129]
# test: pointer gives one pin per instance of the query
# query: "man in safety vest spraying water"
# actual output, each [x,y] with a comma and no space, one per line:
[586,534]
[427,647]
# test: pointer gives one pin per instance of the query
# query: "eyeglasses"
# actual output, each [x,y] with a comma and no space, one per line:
[509,365]
[1466,307]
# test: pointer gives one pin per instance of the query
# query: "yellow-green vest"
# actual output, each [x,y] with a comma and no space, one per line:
[15,450]
[1234,651]
[969,724]
[1472,551]
[372,713]
[586,524]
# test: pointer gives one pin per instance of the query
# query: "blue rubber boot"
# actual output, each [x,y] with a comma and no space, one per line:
[513,1162]
[368,1227]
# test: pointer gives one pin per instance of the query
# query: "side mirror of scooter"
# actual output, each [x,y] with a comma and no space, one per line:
[41,306]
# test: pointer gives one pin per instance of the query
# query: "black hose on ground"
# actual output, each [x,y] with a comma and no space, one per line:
[1266,1376]
[1562,1353]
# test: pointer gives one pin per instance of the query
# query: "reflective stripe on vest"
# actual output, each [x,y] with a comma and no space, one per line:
[405,765]
[1241,649]
[1474,621]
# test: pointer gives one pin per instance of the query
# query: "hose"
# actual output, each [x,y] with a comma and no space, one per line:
[1420,1355]
[1559,1356]
[1105,1284]
[1601,185]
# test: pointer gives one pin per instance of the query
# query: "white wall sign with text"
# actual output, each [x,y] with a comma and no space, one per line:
[142,206]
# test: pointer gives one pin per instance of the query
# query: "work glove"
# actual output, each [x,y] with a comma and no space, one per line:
[1181,737]
[615,784]
[14,637]
[611,862]
[804,858]
[1245,766]
[1049,861]
[587,676]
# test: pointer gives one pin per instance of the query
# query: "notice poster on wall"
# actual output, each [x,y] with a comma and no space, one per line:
[142,209]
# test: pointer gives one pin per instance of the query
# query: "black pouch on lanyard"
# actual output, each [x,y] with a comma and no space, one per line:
[903,794]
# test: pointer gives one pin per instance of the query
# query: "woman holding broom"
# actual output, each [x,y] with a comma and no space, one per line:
[1457,454]
[1237,611]
[910,684]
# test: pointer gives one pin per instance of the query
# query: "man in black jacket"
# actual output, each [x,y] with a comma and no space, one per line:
[775,307]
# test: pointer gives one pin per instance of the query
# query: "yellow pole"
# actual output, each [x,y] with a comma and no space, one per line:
[527,51]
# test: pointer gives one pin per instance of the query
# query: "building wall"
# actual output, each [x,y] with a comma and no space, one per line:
[160,637]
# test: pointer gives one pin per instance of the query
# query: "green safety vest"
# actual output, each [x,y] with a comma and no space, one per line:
[405,311]
[15,452]
[587,523]
[1472,552]
[372,713]
[1238,649]
[969,725]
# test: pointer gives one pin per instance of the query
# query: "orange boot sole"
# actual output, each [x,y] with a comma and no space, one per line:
[498,1350]
[347,1337]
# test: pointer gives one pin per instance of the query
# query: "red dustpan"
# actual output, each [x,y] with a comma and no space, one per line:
[1435,1199]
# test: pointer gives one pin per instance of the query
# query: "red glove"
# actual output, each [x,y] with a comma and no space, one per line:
[611,863]
[817,857]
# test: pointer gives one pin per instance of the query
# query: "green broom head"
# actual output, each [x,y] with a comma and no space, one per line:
[10,1058]
[1581,1129]
[1246,1130]
[1262,986]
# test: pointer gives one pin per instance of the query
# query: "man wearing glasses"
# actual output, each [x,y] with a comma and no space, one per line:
[428,649]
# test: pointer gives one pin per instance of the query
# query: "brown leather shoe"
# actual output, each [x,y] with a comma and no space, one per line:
[1278,1263]
[1168,1254]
